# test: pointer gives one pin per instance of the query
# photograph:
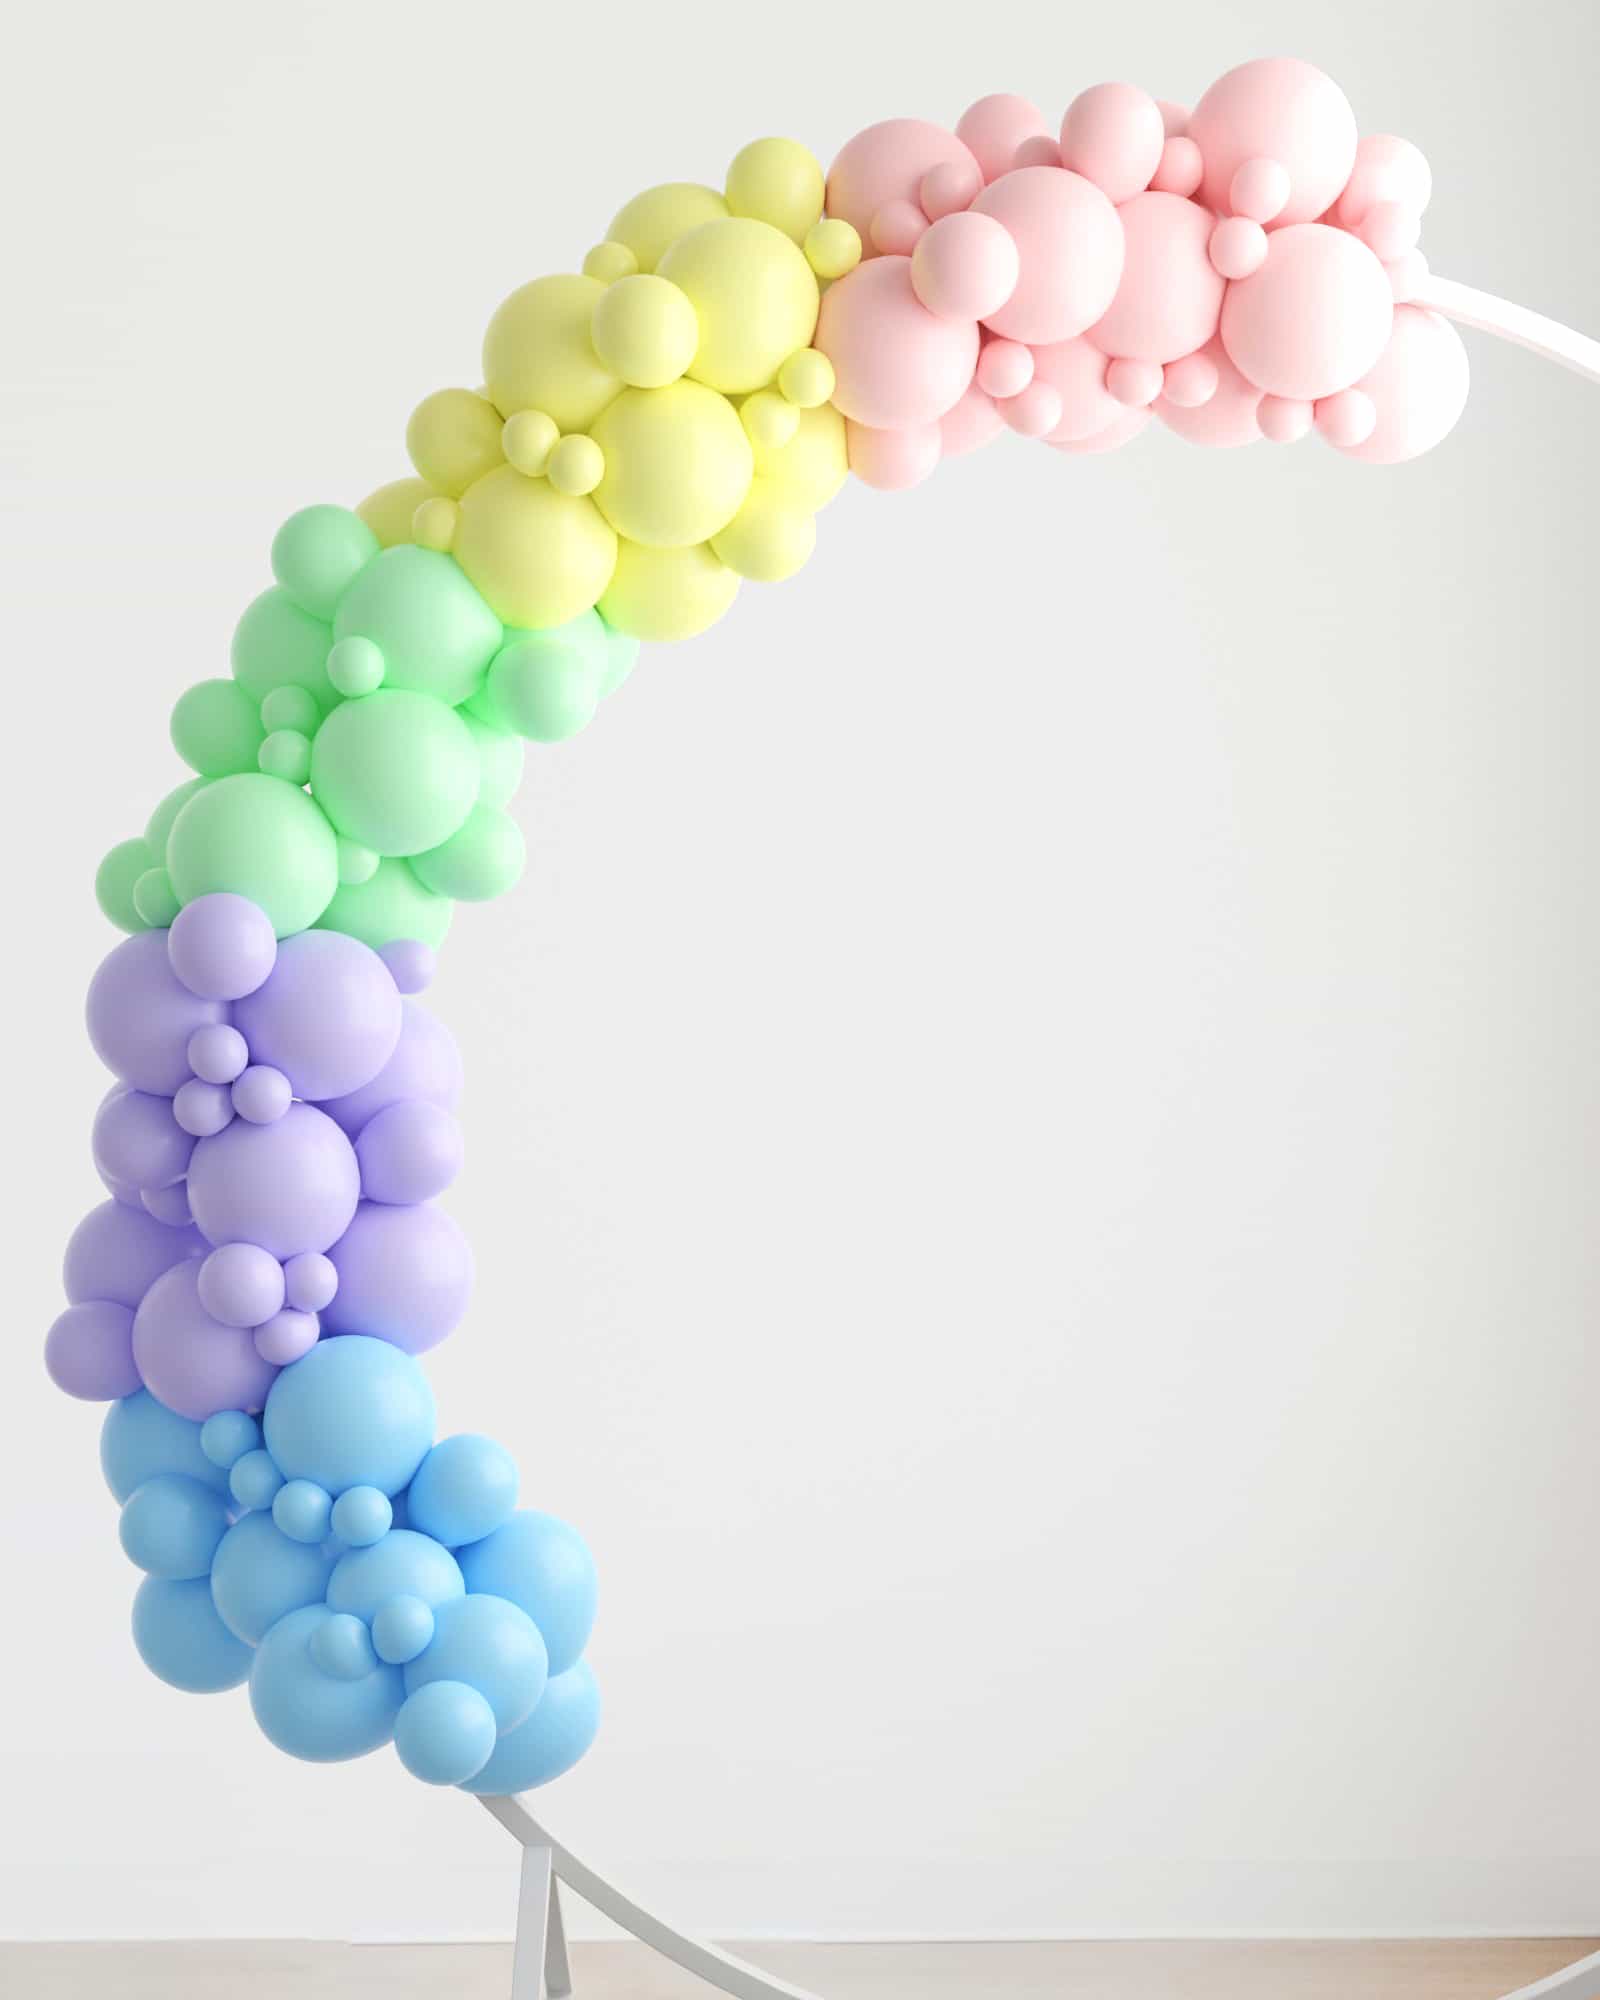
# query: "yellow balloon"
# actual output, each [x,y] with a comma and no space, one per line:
[645,330]
[657,218]
[777,181]
[454,438]
[537,354]
[754,294]
[575,466]
[770,537]
[433,526]
[539,557]
[610,261]
[678,464]
[768,419]
[833,249]
[667,593]
[528,440]
[390,510]
[806,378]
[813,465]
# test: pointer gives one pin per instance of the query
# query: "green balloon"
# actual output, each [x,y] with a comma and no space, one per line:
[276,644]
[216,728]
[290,708]
[483,859]
[434,631]
[153,898]
[286,754]
[158,827]
[391,904]
[115,878]
[318,553]
[500,757]
[546,685]
[258,837]
[395,770]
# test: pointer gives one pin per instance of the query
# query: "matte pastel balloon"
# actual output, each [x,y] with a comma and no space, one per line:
[965,266]
[970,425]
[142,1438]
[327,1015]
[885,163]
[1277,108]
[1228,417]
[1070,243]
[405,1275]
[1386,169]
[354,1412]
[444,1733]
[491,1645]
[1418,388]
[137,1140]
[549,1743]
[259,1576]
[893,460]
[118,1252]
[895,363]
[402,1564]
[222,946]
[171,1526]
[1077,371]
[140,1015]
[995,126]
[544,1566]
[464,1489]
[182,1640]
[290,1186]
[1313,319]
[89,1351]
[191,1361]
[426,1064]
[1113,135]
[408,1152]
[1170,295]
[310,1713]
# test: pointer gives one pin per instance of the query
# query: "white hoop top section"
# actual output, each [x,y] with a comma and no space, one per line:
[1519,324]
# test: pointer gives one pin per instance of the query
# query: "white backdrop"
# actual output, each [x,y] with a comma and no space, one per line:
[1031,1127]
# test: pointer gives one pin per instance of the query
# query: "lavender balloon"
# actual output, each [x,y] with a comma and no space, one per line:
[137,1141]
[118,1252]
[327,1015]
[405,1275]
[426,1063]
[190,1361]
[222,946]
[289,1186]
[141,1015]
[408,1152]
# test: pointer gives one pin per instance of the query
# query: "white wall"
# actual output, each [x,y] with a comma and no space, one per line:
[1032,1125]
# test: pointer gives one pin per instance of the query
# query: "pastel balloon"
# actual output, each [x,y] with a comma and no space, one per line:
[171,1525]
[464,1489]
[182,1640]
[140,1015]
[137,1140]
[1418,388]
[141,1438]
[1077,372]
[407,1153]
[309,1712]
[354,1412]
[426,1064]
[1279,109]
[222,946]
[1313,319]
[403,1563]
[491,1645]
[259,1576]
[118,1252]
[895,363]
[970,425]
[444,1733]
[887,162]
[405,1275]
[543,1566]
[1070,243]
[1113,135]
[550,1742]
[892,460]
[1227,418]
[89,1351]
[994,127]
[327,1015]
[190,1361]
[965,266]
[1170,295]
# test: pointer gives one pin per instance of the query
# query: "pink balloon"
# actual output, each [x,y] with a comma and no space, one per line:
[1390,229]
[1113,135]
[1078,372]
[1277,108]
[973,423]
[892,460]
[1136,384]
[1034,412]
[1346,419]
[1227,418]
[1259,190]
[1283,419]
[1238,246]
[1071,246]
[1191,382]
[897,227]
[1170,296]
[965,267]
[948,188]
[1005,368]
[1386,169]
[994,127]
[885,163]
[1180,168]
[1128,425]
[895,363]
[1314,318]
[1418,388]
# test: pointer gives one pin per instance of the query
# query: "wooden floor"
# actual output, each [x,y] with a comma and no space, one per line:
[1420,1971]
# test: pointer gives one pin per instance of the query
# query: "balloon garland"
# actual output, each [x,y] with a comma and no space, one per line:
[254,1296]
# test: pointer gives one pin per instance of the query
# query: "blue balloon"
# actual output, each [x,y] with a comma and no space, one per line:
[255,1481]
[551,1741]
[401,1628]
[463,1490]
[260,1576]
[352,1412]
[545,1568]
[226,1437]
[493,1647]
[403,1564]
[342,1646]
[361,1516]
[182,1640]
[444,1733]
[309,1713]
[303,1511]
[171,1526]
[141,1437]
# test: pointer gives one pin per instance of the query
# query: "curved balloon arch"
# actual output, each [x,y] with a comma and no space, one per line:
[253,1296]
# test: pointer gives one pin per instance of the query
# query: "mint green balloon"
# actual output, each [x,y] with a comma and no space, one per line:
[258,837]
[546,685]
[286,754]
[318,553]
[391,904]
[395,770]
[276,644]
[434,631]
[290,708]
[154,899]
[481,859]
[501,756]
[216,728]
[158,827]
[114,882]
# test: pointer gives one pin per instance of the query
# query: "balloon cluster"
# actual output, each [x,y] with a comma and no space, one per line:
[282,1121]
[1242,270]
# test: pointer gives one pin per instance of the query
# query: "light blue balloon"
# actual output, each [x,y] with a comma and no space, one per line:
[464,1489]
[403,1564]
[254,1480]
[307,1712]
[303,1511]
[401,1628]
[182,1640]
[171,1526]
[544,1567]
[141,1437]
[260,1576]
[226,1437]
[352,1412]
[444,1733]
[342,1646]
[551,1741]
[493,1647]
[362,1516]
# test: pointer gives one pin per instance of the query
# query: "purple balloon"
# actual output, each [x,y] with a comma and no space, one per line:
[89,1352]
[289,1186]
[241,1284]
[141,1016]
[286,1336]
[169,1204]
[118,1252]
[405,1275]
[262,1094]
[190,1361]
[137,1142]
[426,1063]
[222,946]
[412,962]
[328,1014]
[217,1054]
[408,1152]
